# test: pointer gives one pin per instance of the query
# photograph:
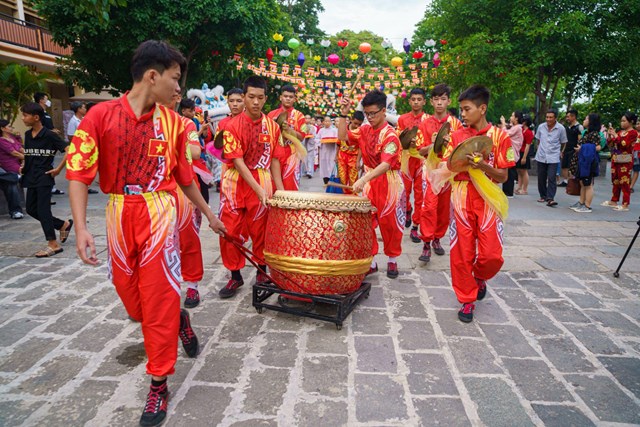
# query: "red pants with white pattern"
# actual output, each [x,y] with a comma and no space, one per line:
[386,193]
[476,241]
[435,212]
[144,265]
[189,221]
[414,181]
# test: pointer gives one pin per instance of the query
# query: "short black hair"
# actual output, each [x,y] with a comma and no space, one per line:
[441,89]
[594,122]
[156,55]
[256,82]
[234,91]
[453,111]
[418,91]
[288,88]
[76,105]
[3,123]
[38,96]
[519,117]
[187,103]
[34,109]
[358,115]
[573,111]
[631,117]
[90,105]
[375,97]
[552,111]
[526,120]
[477,94]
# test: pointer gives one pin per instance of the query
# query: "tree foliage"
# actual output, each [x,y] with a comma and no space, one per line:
[302,16]
[17,86]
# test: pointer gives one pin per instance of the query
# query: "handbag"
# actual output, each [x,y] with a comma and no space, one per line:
[622,158]
[573,187]
[334,178]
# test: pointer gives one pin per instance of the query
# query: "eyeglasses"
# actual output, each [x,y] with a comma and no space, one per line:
[372,114]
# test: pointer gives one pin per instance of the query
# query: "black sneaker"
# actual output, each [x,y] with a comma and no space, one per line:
[437,247]
[193,298]
[482,289]
[262,278]
[372,270]
[392,270]
[231,288]
[155,410]
[407,222]
[415,238]
[563,184]
[426,252]
[466,312]
[187,336]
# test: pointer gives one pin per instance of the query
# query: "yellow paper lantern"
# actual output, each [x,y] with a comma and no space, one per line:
[396,61]
[317,58]
[277,37]
[353,56]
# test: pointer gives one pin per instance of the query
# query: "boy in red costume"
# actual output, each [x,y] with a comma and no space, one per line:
[434,215]
[348,156]
[140,150]
[412,161]
[254,143]
[298,125]
[476,229]
[382,183]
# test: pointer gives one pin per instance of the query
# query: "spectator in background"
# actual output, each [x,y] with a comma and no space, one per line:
[551,137]
[524,164]
[43,100]
[310,145]
[585,167]
[622,144]
[11,159]
[514,130]
[636,158]
[574,133]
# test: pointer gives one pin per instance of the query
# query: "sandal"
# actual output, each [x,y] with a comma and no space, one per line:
[621,208]
[608,204]
[541,200]
[64,234]
[47,252]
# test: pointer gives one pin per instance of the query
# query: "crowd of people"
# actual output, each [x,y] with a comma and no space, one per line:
[150,151]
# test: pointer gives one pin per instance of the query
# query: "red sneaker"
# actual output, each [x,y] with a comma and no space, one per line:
[437,247]
[482,289]
[155,409]
[193,298]
[415,237]
[372,270]
[262,279]
[392,270]
[466,312]
[231,288]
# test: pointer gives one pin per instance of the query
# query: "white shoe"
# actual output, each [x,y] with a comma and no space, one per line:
[583,209]
[17,215]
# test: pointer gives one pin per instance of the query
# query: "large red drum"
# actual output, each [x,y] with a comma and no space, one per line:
[318,243]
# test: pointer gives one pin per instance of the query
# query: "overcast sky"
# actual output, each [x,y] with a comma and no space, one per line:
[393,19]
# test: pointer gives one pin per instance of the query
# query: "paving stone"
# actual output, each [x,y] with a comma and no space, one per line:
[196,407]
[241,328]
[429,374]
[626,370]
[565,355]
[370,321]
[122,360]
[433,278]
[375,354]
[564,264]
[13,413]
[564,312]
[34,292]
[607,291]
[104,297]
[630,307]
[584,300]
[508,341]
[605,399]
[524,275]
[281,322]
[536,323]
[539,288]
[27,354]
[52,375]
[222,365]
[379,398]
[96,337]
[266,390]
[376,298]
[72,322]
[416,335]
[409,306]
[451,326]
[17,329]
[594,339]
[82,405]
[441,411]
[488,311]
[535,380]
[9,311]
[473,357]
[561,416]
[26,280]
[497,404]
[326,339]
[326,375]
[562,280]
[502,280]
[280,350]
[321,414]
[118,313]
[254,423]
[53,305]
[442,297]
[615,321]
[515,299]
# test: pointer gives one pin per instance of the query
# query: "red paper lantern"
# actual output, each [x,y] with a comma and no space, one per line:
[269,54]
[364,48]
[418,55]
[343,43]
[443,42]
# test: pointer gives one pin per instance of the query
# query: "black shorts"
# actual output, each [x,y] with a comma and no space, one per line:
[566,158]
[587,181]
[527,164]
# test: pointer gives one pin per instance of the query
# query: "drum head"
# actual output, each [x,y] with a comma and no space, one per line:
[458,161]
[320,201]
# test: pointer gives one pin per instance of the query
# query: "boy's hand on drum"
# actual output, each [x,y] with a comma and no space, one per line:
[358,186]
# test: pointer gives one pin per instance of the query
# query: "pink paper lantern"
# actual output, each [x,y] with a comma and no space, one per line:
[333,59]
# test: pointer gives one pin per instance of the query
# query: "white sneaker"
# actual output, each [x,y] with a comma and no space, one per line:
[583,209]
[17,215]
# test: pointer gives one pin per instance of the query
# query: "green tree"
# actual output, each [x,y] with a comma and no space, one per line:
[17,86]
[303,16]
[208,32]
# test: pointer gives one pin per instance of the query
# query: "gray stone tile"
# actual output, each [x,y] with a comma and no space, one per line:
[441,411]
[27,354]
[515,299]
[508,341]
[379,398]
[122,360]
[565,355]
[416,335]
[626,370]
[535,380]
[561,416]
[265,392]
[96,337]
[326,375]
[241,328]
[54,305]
[501,280]
[321,414]
[451,326]
[565,312]
[594,339]
[280,350]
[26,280]
[562,280]
[82,405]
[103,297]
[607,291]
[14,413]
[52,375]
[222,365]
[605,399]
[17,328]
[375,354]
[539,288]
[473,357]
[567,264]
[442,297]
[433,278]
[33,293]
[9,311]
[619,324]
[196,407]
[429,374]
[72,322]
[584,300]
[497,404]
[629,307]
[376,298]
[254,423]
[488,311]
[408,306]
[536,323]
[370,321]
[326,339]
[524,275]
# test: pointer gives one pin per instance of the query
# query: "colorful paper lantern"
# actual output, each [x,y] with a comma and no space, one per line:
[443,42]
[325,43]
[285,53]
[353,56]
[301,59]
[386,44]
[277,37]
[364,48]
[333,59]
[396,61]
[430,43]
[269,54]
[310,42]
[406,45]
[403,94]
[418,55]
[343,43]
[436,60]
[293,43]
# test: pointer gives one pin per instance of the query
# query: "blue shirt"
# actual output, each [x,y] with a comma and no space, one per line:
[550,143]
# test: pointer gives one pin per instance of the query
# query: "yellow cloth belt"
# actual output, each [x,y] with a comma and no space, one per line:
[404,159]
[317,267]
[490,192]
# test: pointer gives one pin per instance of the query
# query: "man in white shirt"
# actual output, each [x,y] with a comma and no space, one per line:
[79,110]
[552,137]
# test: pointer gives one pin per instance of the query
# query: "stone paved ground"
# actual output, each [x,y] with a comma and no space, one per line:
[556,341]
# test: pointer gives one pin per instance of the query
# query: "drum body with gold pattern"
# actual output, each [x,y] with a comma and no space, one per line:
[318,243]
